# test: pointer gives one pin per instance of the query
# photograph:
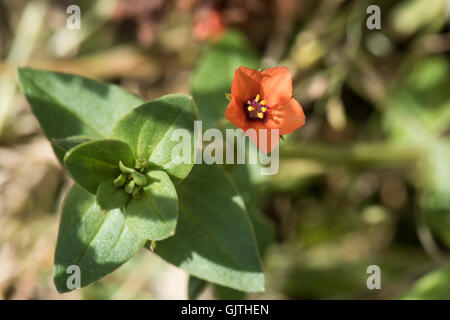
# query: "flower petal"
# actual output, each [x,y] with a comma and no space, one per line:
[246,83]
[272,137]
[235,114]
[288,117]
[276,86]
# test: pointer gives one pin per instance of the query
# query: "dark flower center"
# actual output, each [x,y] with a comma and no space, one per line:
[256,109]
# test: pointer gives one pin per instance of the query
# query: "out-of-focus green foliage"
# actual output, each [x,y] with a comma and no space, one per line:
[419,114]
[434,285]
[411,16]
[419,107]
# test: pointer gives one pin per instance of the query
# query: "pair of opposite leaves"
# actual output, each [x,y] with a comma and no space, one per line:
[142,135]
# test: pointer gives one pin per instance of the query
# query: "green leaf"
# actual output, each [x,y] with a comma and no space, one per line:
[68,105]
[214,75]
[224,293]
[195,287]
[97,242]
[153,215]
[65,144]
[434,285]
[110,197]
[264,229]
[148,130]
[93,162]
[214,239]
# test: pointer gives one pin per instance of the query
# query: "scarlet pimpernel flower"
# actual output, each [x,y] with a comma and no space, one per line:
[263,100]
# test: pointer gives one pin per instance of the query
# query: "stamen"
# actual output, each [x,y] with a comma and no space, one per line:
[256,108]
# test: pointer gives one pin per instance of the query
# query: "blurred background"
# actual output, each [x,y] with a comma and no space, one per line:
[365,182]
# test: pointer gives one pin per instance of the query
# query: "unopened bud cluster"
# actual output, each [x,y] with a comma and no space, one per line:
[132,179]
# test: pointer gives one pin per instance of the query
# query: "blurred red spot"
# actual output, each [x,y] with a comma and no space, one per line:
[207,23]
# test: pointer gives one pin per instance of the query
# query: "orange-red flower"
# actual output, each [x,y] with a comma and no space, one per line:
[263,100]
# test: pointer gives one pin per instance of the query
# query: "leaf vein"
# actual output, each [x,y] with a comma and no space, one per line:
[147,198]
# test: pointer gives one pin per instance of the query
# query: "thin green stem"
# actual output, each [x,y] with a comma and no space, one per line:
[360,154]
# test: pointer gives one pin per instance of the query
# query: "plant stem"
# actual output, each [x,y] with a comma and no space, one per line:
[360,154]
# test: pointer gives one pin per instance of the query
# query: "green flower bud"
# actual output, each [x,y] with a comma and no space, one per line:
[139,179]
[125,169]
[120,180]
[129,187]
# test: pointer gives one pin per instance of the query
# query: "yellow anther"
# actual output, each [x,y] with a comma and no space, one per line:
[263,109]
[249,102]
[260,115]
[250,108]
[263,102]
[257,98]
